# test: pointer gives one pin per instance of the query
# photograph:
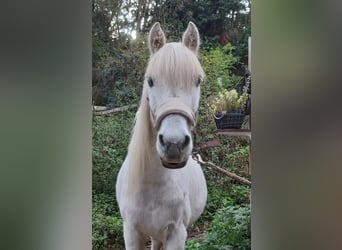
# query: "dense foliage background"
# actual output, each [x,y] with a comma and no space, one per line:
[120,56]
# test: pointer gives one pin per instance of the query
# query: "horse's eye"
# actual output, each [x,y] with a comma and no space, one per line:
[200,79]
[150,82]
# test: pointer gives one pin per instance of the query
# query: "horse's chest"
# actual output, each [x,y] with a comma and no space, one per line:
[153,208]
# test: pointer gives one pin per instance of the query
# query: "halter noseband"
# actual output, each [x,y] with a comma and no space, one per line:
[173,106]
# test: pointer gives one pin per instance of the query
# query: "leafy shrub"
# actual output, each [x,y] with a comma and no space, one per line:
[216,198]
[107,223]
[117,81]
[240,194]
[218,63]
[230,230]
[238,159]
[110,140]
[193,245]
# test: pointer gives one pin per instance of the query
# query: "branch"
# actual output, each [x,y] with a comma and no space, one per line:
[116,110]
[223,171]
[209,144]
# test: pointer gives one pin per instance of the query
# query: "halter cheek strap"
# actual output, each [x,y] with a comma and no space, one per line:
[173,106]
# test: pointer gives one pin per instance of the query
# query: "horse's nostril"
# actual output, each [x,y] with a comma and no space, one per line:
[186,141]
[161,140]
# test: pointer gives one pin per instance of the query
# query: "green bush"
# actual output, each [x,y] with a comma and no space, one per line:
[193,245]
[107,223]
[110,140]
[240,194]
[230,229]
[216,198]
[218,64]
[239,156]
[118,79]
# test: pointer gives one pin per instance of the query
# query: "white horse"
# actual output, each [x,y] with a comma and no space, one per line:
[160,189]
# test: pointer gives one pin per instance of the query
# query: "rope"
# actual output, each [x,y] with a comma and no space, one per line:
[240,179]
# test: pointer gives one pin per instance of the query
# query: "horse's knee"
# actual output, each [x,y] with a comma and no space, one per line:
[156,244]
[134,240]
[175,238]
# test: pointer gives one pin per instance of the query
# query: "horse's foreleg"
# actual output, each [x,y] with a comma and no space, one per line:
[156,244]
[134,240]
[176,237]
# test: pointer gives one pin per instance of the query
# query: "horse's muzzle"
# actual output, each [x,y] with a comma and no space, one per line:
[173,165]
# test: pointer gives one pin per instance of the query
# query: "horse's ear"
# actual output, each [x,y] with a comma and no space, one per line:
[156,38]
[191,38]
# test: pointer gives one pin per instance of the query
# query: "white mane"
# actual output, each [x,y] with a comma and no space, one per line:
[143,138]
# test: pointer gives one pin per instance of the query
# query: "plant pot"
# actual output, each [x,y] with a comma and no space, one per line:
[229,120]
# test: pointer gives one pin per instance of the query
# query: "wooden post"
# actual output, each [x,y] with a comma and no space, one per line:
[250,120]
[250,54]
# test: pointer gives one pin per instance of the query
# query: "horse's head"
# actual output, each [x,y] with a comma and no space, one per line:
[172,87]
